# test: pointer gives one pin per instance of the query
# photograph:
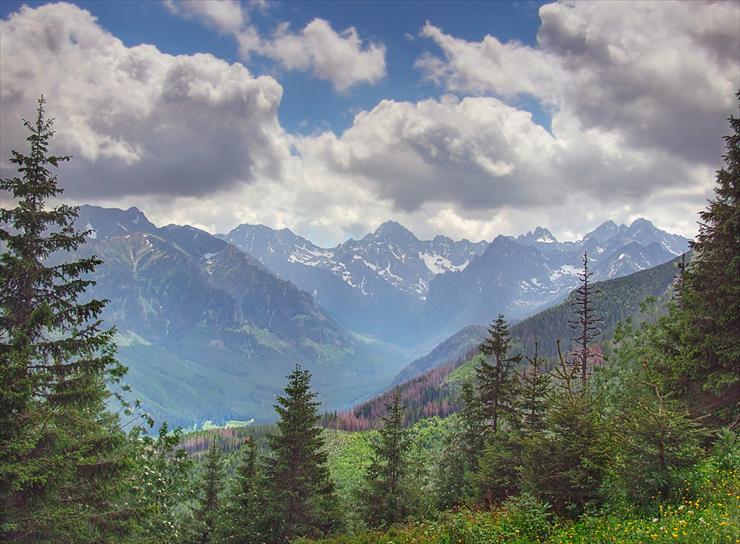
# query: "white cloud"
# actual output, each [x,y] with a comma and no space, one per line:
[226,16]
[193,139]
[509,68]
[660,75]
[138,121]
[338,57]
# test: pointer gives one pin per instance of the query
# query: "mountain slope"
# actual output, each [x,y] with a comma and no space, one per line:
[414,293]
[434,392]
[521,276]
[209,332]
[375,286]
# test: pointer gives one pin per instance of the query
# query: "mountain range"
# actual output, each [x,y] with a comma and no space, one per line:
[430,384]
[209,325]
[414,293]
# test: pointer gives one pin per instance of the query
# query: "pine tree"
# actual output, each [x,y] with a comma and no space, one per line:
[496,373]
[658,442]
[63,456]
[207,513]
[301,498]
[565,463]
[586,320]
[384,499]
[710,299]
[532,391]
[241,521]
[459,463]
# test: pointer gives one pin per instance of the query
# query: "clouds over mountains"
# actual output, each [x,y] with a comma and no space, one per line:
[638,96]
[338,57]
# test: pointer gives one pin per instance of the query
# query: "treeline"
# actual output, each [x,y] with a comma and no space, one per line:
[615,300]
[425,396]
[432,394]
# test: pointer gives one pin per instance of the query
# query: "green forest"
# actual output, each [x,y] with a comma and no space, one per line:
[628,434]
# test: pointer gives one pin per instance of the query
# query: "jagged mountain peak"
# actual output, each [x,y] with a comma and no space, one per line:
[540,235]
[393,229]
[607,230]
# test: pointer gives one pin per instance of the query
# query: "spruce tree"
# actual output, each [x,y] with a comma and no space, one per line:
[565,463]
[385,499]
[63,456]
[459,463]
[241,520]
[586,320]
[207,513]
[532,391]
[301,495]
[496,373]
[658,443]
[710,299]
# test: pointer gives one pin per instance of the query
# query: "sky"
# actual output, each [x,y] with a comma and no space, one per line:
[469,119]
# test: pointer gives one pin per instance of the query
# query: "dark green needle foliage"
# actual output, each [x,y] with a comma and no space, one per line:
[63,456]
[301,499]
[702,343]
[533,389]
[241,519]
[496,381]
[206,515]
[565,464]
[385,498]
[459,463]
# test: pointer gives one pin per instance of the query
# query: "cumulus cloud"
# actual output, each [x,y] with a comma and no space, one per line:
[224,15]
[338,57]
[193,139]
[138,121]
[479,154]
[659,75]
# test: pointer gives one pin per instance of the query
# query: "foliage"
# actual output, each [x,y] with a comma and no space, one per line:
[565,464]
[244,509]
[160,487]
[301,499]
[462,452]
[706,515]
[208,510]
[495,374]
[703,347]
[385,498]
[63,457]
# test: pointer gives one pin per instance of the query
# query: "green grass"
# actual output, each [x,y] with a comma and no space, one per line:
[709,514]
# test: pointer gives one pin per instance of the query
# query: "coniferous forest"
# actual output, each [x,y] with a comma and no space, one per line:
[607,430]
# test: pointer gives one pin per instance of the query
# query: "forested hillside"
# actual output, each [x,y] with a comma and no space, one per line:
[435,392]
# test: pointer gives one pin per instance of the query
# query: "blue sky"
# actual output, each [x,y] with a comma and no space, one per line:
[469,119]
[308,103]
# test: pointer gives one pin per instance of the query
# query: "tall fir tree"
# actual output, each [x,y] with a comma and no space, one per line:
[208,511]
[586,321]
[462,451]
[384,497]
[241,519]
[63,456]
[496,373]
[533,388]
[707,375]
[301,499]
